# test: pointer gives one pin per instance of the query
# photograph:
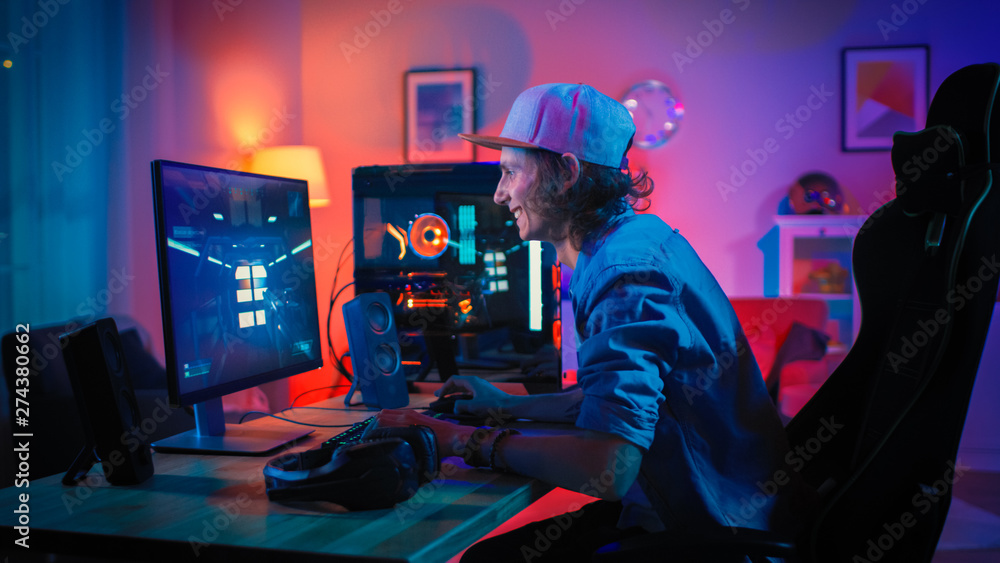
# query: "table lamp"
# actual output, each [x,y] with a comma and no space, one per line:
[295,161]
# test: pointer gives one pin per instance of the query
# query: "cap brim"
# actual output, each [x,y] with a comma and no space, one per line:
[496,142]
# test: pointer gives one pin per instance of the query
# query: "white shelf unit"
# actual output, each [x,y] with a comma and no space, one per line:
[810,243]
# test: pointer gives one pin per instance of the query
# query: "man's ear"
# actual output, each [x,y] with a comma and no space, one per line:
[573,167]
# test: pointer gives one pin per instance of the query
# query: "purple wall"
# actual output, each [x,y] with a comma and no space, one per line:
[341,65]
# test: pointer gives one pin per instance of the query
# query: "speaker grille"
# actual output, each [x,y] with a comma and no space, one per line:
[386,358]
[129,409]
[378,318]
[112,352]
[374,346]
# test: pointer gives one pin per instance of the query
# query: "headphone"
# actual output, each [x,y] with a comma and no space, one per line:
[380,471]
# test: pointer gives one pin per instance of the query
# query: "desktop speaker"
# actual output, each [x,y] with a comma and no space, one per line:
[109,412]
[375,353]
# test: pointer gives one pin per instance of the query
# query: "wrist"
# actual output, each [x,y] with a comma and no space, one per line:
[483,448]
[497,461]
[510,407]
[472,450]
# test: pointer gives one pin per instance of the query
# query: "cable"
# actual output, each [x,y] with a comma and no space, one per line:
[302,394]
[312,424]
[339,366]
[355,410]
[263,414]
[339,361]
[339,292]
[293,421]
[325,409]
[333,288]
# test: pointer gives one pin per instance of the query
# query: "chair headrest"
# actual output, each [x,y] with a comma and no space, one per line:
[949,164]
[929,165]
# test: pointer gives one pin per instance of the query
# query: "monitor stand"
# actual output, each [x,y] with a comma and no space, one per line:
[212,435]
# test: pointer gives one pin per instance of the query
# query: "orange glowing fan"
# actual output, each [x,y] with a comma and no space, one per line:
[429,235]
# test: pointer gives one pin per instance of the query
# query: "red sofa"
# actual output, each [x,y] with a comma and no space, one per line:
[768,322]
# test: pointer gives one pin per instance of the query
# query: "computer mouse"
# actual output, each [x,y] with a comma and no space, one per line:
[446,404]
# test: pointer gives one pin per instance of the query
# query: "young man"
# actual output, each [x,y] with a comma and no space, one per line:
[672,423]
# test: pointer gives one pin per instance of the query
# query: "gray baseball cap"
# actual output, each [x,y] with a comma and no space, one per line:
[566,118]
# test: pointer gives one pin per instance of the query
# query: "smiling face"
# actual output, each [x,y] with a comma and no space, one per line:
[519,175]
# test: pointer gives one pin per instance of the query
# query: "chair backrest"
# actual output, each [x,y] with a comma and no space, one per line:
[879,440]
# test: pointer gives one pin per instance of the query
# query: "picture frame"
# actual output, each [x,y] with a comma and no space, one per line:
[884,90]
[439,105]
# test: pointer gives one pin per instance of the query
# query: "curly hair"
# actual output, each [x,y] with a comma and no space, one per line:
[600,194]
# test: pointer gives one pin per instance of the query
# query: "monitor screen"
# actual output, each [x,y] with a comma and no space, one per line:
[453,263]
[236,279]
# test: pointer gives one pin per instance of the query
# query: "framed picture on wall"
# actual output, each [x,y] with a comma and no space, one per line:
[439,105]
[885,89]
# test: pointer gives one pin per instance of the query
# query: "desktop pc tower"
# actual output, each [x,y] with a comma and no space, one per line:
[465,292]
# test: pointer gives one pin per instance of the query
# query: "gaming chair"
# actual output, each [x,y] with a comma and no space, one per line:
[927,275]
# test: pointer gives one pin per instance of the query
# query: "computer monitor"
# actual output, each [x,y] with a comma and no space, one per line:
[238,294]
[468,293]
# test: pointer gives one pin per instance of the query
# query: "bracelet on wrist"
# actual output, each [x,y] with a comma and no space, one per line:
[496,446]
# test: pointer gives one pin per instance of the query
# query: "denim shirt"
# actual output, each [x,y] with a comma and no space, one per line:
[664,364]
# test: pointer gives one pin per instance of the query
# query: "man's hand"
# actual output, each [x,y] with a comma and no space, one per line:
[593,463]
[451,438]
[486,400]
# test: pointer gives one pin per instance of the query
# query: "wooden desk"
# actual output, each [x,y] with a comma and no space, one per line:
[216,507]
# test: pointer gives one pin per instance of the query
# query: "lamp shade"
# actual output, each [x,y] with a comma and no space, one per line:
[295,161]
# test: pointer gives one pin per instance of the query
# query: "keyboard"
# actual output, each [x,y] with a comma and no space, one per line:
[349,436]
[357,430]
